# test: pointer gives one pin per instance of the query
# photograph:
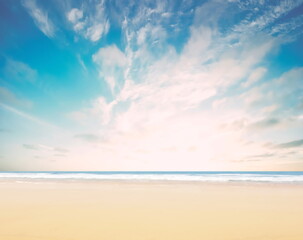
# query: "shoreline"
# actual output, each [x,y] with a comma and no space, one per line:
[147,182]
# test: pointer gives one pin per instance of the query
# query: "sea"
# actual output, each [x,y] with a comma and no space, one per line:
[193,176]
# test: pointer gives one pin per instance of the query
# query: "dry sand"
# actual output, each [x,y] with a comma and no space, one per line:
[107,210]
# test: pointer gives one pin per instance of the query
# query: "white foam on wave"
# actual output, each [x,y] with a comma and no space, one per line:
[215,177]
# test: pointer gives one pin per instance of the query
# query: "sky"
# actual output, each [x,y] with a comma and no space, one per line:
[147,85]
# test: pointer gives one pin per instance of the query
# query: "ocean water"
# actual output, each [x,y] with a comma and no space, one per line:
[270,177]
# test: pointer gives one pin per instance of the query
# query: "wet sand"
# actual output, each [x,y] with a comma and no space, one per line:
[52,210]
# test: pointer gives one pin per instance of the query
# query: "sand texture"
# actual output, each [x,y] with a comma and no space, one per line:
[107,210]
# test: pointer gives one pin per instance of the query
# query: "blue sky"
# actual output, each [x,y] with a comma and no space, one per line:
[151,85]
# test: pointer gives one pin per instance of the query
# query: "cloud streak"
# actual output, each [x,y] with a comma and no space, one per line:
[88,137]
[40,18]
[8,97]
[19,71]
[27,116]
[292,144]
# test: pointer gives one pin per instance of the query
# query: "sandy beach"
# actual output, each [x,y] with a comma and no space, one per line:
[129,210]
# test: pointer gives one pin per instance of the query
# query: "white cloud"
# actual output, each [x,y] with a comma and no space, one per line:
[91,21]
[198,43]
[111,62]
[110,56]
[151,34]
[40,18]
[187,109]
[99,113]
[95,32]
[74,15]
[159,116]
[207,104]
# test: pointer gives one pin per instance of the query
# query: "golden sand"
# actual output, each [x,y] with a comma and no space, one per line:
[151,210]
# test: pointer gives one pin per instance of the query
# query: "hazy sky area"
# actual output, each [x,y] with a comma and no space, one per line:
[151,85]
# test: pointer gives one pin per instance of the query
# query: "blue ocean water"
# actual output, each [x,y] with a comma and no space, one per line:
[278,177]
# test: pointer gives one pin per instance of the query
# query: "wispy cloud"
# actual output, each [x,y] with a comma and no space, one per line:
[255,76]
[27,116]
[32,146]
[265,16]
[19,71]
[265,123]
[89,137]
[74,15]
[40,18]
[82,63]
[60,150]
[91,21]
[98,112]
[42,147]
[8,97]
[111,61]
